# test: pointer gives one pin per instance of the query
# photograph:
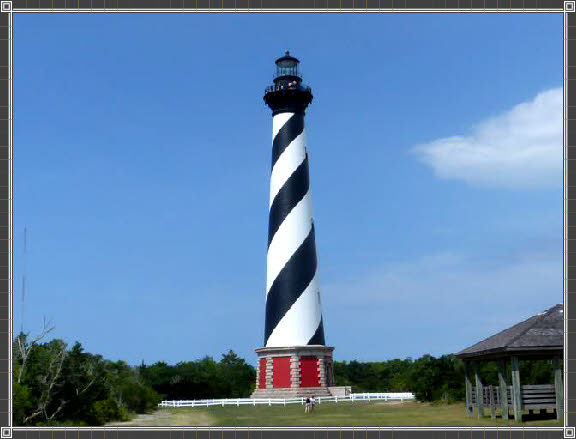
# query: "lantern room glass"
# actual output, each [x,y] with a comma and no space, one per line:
[287,67]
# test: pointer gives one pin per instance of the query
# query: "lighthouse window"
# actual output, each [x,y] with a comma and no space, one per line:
[287,67]
[282,71]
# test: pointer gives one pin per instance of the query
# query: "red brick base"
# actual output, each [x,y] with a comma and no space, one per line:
[294,371]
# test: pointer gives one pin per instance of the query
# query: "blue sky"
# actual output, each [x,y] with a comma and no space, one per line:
[142,156]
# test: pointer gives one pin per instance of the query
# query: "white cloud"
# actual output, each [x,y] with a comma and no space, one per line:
[520,148]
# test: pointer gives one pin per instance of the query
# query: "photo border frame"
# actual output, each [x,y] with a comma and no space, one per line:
[9,8]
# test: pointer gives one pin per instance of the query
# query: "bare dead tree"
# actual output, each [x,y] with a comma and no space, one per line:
[89,371]
[51,380]
[47,383]
[25,347]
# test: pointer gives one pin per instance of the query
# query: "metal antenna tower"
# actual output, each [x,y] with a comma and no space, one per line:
[23,295]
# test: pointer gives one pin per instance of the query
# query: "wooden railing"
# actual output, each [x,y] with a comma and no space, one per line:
[534,397]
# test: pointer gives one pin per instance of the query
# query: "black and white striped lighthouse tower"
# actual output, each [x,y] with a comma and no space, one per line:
[295,360]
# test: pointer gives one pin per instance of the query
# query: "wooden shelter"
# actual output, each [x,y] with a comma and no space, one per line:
[540,337]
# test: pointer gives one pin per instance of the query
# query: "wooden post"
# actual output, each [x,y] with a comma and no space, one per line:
[479,391]
[516,390]
[469,407]
[491,399]
[503,388]
[558,385]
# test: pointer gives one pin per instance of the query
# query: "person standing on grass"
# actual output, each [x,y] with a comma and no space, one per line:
[312,403]
[307,409]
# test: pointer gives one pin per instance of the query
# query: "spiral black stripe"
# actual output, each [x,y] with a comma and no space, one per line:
[290,283]
[288,197]
[318,337]
[289,131]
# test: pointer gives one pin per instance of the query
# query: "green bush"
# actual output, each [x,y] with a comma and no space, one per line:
[65,423]
[139,398]
[105,411]
[20,402]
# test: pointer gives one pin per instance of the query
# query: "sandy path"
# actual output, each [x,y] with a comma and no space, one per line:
[165,418]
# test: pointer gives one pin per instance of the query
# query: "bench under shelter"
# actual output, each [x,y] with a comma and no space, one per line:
[540,337]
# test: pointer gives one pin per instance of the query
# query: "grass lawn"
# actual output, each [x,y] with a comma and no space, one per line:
[358,414]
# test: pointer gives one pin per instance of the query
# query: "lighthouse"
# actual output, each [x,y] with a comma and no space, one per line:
[294,360]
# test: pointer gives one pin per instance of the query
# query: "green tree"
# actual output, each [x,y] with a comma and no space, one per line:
[54,385]
[239,377]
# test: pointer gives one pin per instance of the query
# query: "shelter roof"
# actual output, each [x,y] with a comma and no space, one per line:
[539,335]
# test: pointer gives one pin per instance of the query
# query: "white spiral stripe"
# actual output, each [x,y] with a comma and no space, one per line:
[301,321]
[289,160]
[289,236]
[278,122]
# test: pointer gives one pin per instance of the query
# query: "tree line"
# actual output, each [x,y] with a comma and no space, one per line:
[231,377]
[430,378]
[54,384]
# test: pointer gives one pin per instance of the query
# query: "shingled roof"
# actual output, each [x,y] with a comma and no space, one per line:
[539,334]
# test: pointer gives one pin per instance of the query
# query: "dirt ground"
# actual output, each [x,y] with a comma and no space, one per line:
[165,418]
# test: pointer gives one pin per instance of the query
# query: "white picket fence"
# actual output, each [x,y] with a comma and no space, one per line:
[283,401]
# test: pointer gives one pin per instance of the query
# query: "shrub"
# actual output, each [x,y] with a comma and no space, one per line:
[107,410]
